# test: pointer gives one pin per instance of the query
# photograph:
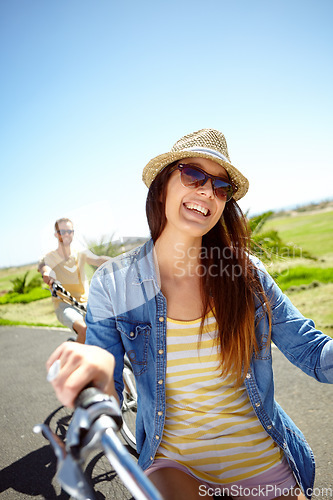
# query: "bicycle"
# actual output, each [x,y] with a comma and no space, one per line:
[94,425]
[130,397]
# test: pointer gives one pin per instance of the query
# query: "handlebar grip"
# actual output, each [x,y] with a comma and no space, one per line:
[90,395]
[108,405]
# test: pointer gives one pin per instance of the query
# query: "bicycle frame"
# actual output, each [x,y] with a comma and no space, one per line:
[94,426]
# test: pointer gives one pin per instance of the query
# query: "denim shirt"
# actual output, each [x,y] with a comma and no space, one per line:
[127,312]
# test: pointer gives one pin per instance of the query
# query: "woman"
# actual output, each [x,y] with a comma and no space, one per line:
[196,314]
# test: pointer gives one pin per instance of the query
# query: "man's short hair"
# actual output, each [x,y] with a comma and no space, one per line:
[63,219]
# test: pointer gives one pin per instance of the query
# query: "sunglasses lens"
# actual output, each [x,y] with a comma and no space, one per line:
[191,177]
[223,190]
[62,232]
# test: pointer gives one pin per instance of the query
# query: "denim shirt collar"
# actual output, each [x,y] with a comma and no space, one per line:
[146,264]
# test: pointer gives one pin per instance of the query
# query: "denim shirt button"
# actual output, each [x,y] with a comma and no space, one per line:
[161,319]
[151,458]
[160,382]
[257,405]
[285,445]
[132,334]
[269,426]
[160,413]
[248,375]
[160,351]
[157,437]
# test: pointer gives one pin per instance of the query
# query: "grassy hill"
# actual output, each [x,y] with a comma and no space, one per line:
[312,231]
[308,283]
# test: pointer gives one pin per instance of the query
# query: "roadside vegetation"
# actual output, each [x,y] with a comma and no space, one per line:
[296,247]
[25,288]
[26,300]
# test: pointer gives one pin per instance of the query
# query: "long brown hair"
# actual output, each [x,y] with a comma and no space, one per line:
[232,291]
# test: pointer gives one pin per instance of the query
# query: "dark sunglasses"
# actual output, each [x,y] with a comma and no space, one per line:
[193,177]
[62,232]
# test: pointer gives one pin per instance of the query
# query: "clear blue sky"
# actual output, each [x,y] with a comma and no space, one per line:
[92,90]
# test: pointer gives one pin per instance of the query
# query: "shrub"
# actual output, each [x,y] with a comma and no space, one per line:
[268,244]
[21,284]
[104,247]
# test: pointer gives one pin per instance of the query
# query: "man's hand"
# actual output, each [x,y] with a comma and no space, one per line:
[47,279]
[46,272]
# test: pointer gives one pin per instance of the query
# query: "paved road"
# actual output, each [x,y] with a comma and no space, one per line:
[27,465]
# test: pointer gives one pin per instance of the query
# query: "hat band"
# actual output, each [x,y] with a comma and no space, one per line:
[208,151]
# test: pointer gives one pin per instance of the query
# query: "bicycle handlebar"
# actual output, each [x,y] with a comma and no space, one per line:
[96,419]
[57,287]
[108,405]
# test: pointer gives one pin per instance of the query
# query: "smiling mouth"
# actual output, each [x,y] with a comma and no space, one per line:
[194,207]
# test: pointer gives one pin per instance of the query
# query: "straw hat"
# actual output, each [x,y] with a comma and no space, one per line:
[205,143]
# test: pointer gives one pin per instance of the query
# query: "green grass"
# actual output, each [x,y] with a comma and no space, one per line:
[312,232]
[39,313]
[303,275]
[25,298]
[9,322]
[317,304]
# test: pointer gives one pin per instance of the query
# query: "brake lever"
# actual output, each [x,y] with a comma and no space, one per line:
[72,480]
[56,443]
[82,437]
[69,473]
[91,406]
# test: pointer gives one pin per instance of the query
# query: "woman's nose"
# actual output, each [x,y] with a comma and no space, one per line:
[207,189]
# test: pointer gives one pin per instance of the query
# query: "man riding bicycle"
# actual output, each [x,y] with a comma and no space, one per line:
[66,264]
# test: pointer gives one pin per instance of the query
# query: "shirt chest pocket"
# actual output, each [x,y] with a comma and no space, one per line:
[135,337]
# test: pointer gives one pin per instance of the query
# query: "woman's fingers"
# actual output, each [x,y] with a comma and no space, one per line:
[73,366]
[53,371]
[55,355]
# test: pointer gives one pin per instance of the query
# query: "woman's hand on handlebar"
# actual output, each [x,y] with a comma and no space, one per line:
[81,365]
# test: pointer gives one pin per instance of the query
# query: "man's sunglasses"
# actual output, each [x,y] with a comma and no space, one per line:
[193,177]
[62,232]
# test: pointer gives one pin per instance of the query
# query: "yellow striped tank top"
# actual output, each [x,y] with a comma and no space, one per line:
[210,426]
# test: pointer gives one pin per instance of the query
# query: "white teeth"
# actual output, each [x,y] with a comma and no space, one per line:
[197,208]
